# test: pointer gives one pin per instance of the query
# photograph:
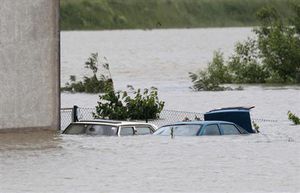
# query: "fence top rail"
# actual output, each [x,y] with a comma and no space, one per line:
[66,109]
[187,112]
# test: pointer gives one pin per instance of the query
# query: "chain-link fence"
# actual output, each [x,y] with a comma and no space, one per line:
[171,116]
[66,115]
[166,116]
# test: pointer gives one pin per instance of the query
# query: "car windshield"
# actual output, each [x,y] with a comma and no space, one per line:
[179,130]
[91,129]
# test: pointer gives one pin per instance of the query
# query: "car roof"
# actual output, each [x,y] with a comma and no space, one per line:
[111,122]
[231,109]
[198,123]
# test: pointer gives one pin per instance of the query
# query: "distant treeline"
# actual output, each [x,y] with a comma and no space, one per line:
[149,14]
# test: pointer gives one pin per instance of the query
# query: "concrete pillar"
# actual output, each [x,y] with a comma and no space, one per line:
[29,64]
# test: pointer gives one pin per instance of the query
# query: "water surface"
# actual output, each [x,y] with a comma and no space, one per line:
[267,162]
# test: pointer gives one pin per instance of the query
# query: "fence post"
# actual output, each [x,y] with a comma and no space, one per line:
[146,115]
[74,113]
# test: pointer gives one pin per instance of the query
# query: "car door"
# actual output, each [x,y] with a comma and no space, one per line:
[211,129]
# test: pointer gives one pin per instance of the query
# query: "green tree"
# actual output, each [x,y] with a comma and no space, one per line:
[121,106]
[211,78]
[111,106]
[295,21]
[93,84]
[92,63]
[272,57]
[144,105]
[244,65]
[279,46]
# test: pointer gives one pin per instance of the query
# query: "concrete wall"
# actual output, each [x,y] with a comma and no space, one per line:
[29,64]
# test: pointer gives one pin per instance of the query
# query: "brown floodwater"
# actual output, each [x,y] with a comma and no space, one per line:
[48,162]
[36,162]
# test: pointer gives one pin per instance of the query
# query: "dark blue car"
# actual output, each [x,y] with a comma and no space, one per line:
[197,128]
[224,121]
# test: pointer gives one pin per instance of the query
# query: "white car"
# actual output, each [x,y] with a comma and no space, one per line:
[109,128]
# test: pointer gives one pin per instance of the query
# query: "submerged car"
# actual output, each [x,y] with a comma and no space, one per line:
[109,128]
[197,128]
[224,121]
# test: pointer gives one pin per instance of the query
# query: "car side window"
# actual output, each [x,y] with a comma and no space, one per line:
[74,128]
[229,129]
[125,131]
[211,130]
[142,130]
[101,130]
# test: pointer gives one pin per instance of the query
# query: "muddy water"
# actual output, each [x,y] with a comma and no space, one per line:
[52,163]
[48,162]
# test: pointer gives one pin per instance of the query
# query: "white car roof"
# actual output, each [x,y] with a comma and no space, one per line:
[113,122]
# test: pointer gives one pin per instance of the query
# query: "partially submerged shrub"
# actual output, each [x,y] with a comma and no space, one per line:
[256,126]
[292,117]
[272,57]
[94,84]
[279,45]
[244,65]
[211,78]
[144,105]
[111,106]
[120,106]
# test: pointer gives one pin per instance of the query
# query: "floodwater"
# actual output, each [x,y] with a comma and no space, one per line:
[267,162]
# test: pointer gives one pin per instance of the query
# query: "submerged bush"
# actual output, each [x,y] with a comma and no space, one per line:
[121,106]
[292,117]
[91,84]
[255,126]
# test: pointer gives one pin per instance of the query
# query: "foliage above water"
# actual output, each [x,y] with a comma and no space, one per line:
[255,126]
[273,56]
[213,76]
[149,14]
[142,105]
[292,117]
[94,84]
